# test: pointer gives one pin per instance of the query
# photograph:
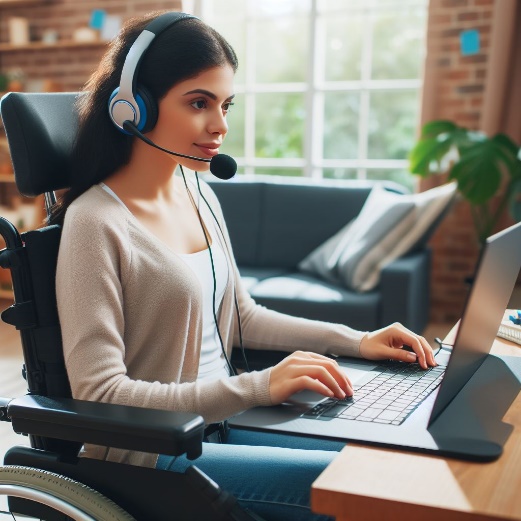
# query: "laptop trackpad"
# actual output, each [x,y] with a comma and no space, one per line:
[359,373]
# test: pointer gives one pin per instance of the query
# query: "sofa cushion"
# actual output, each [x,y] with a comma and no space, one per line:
[388,226]
[252,276]
[341,258]
[306,296]
[241,205]
[277,223]
[297,218]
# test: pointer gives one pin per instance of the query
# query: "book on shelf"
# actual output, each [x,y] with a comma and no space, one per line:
[508,329]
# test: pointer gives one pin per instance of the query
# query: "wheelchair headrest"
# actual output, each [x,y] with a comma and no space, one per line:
[40,129]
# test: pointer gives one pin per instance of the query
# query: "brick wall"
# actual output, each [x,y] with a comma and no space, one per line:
[54,67]
[67,68]
[456,89]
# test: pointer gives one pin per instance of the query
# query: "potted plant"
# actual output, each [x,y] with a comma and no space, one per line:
[487,170]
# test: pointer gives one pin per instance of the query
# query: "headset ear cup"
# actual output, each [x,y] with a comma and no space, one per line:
[151,109]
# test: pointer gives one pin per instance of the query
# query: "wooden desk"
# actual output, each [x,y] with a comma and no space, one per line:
[365,483]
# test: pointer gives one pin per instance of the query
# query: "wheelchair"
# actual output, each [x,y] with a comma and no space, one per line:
[48,480]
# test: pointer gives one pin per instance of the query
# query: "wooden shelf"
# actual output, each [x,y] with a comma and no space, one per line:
[20,3]
[39,46]
[7,178]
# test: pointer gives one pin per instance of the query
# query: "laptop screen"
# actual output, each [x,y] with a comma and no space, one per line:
[496,275]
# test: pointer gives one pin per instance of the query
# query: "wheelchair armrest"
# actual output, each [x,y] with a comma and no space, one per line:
[124,427]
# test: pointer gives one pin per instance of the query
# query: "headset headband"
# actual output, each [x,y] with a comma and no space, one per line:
[125,104]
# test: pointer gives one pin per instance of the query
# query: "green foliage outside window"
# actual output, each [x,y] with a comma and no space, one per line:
[360,46]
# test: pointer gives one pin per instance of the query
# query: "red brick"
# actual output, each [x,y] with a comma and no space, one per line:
[441,19]
[474,58]
[454,3]
[457,74]
[452,32]
[468,16]
[444,62]
[454,103]
[466,89]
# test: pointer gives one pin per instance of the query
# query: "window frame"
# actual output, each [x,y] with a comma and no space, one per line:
[313,163]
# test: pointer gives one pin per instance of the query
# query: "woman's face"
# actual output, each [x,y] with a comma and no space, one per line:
[192,116]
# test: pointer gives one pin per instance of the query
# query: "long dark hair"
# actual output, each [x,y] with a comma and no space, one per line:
[181,51]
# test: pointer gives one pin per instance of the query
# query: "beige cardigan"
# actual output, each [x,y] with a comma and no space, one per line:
[130,313]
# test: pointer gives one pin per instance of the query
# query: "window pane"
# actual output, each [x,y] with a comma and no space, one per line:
[291,172]
[275,8]
[234,142]
[282,49]
[362,40]
[398,44]
[392,124]
[343,47]
[339,173]
[279,125]
[339,5]
[218,8]
[402,177]
[341,111]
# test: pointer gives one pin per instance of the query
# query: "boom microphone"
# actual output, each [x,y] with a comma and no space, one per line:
[221,165]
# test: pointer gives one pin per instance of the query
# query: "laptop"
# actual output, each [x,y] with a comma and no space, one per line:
[455,409]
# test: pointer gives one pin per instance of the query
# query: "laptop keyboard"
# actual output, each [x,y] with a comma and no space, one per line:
[388,398]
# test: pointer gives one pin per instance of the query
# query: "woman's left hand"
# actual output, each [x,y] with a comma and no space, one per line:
[389,343]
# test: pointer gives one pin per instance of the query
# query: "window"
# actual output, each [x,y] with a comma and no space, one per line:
[325,88]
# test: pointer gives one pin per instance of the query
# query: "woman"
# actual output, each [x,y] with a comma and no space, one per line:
[149,296]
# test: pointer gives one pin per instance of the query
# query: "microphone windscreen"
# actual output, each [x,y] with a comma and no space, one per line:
[223,166]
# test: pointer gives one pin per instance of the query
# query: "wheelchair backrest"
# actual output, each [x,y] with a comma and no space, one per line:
[40,130]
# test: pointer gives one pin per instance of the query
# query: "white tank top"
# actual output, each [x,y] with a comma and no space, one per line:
[212,364]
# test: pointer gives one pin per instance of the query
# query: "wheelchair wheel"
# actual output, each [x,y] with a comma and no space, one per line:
[75,500]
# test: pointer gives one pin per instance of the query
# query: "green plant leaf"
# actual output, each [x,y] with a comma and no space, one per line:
[516,172]
[464,138]
[435,128]
[427,151]
[483,167]
[507,152]
[478,174]
[483,164]
[504,142]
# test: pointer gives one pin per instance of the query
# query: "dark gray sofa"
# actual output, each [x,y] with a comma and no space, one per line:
[274,224]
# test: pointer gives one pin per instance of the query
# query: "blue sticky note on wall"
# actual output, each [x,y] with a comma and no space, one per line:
[469,41]
[97,18]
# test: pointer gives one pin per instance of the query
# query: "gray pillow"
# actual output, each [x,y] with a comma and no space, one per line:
[388,226]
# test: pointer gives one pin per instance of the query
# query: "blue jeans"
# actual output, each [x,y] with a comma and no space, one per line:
[269,474]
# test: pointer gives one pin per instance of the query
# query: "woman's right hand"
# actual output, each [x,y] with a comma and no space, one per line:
[304,370]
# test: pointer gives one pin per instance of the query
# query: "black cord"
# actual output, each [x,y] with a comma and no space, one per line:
[243,352]
[443,345]
[230,367]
